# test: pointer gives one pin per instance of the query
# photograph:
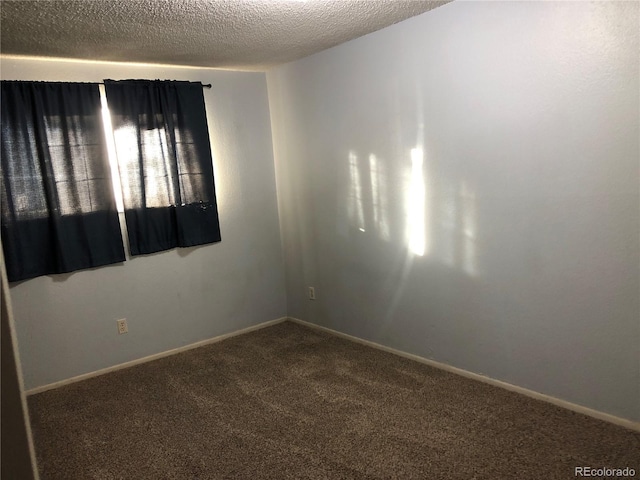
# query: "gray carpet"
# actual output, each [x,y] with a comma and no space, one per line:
[291,402]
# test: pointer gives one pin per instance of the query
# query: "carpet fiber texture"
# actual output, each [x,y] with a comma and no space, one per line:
[291,402]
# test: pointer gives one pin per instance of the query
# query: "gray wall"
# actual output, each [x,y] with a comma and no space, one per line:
[513,251]
[66,324]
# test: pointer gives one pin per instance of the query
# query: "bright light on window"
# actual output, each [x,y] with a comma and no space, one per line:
[111,150]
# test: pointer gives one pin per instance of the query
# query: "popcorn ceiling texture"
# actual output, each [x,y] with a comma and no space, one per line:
[239,34]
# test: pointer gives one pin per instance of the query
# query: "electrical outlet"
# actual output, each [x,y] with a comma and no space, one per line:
[122,326]
[312,293]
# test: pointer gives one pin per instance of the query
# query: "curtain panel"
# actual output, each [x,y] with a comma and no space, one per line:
[58,208]
[166,169]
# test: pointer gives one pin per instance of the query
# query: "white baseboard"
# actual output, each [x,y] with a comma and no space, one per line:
[150,358]
[623,422]
[442,366]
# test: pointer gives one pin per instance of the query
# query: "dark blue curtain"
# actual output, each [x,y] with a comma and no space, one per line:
[58,208]
[166,170]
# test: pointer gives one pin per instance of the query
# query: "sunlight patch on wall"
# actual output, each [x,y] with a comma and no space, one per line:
[468,229]
[455,243]
[356,208]
[379,197]
[447,227]
[416,205]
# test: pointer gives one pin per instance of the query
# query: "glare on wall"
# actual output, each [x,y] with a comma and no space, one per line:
[356,208]
[416,204]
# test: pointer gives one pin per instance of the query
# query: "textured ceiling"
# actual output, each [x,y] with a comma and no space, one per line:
[240,34]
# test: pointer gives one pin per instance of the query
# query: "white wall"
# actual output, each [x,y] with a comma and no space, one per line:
[527,206]
[66,324]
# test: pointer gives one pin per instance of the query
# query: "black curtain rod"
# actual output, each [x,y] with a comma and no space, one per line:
[207,85]
[204,85]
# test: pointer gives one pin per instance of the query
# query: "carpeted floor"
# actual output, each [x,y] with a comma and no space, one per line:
[291,402]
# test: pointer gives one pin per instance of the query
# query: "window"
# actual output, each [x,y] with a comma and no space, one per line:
[166,172]
[58,209]
[58,205]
